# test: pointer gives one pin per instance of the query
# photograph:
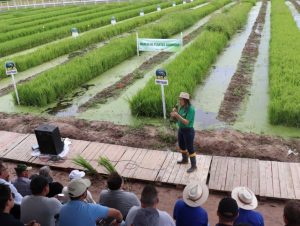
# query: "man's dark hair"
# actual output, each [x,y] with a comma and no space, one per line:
[114,181]
[149,196]
[38,184]
[55,188]
[292,213]
[5,194]
[228,209]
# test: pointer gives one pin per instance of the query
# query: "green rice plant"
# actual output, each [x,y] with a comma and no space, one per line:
[82,162]
[284,79]
[51,51]
[191,66]
[99,17]
[56,83]
[30,41]
[107,164]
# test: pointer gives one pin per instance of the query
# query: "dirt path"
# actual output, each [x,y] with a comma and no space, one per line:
[223,142]
[242,78]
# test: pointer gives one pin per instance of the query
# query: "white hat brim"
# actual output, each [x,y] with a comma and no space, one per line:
[251,206]
[201,200]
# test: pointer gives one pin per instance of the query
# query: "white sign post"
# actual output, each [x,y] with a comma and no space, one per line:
[161,79]
[74,32]
[11,69]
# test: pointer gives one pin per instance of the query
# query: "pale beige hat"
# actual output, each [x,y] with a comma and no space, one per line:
[195,194]
[184,95]
[245,198]
[78,186]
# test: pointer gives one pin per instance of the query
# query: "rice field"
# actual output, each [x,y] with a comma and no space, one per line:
[56,70]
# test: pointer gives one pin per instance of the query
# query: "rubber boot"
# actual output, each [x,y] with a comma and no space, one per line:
[193,165]
[184,160]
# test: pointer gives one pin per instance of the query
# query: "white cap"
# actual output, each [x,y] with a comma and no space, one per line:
[76,174]
[78,186]
[184,95]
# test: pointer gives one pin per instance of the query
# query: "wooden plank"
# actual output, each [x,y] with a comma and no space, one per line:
[289,182]
[93,149]
[165,169]
[275,180]
[76,148]
[124,163]
[169,170]
[223,173]
[175,169]
[237,172]
[136,163]
[203,171]
[214,174]
[230,174]
[22,152]
[262,178]
[130,165]
[295,171]
[253,175]
[282,180]
[244,172]
[9,140]
[269,182]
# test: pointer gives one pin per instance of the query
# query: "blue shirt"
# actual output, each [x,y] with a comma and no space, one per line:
[251,217]
[189,216]
[79,213]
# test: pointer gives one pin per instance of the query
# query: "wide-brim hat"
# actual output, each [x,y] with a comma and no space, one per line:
[245,198]
[77,187]
[76,174]
[195,194]
[184,95]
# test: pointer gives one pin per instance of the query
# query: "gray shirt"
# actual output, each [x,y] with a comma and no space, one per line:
[22,184]
[164,218]
[119,199]
[39,208]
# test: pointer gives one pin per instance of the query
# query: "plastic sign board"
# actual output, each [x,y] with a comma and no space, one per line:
[158,8]
[160,45]
[174,4]
[163,82]
[74,32]
[184,2]
[161,77]
[10,68]
[142,13]
[113,20]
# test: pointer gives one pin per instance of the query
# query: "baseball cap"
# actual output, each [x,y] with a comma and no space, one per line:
[76,174]
[78,186]
[146,217]
[228,208]
[22,168]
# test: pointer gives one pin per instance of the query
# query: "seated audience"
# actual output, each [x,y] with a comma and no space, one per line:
[45,171]
[247,202]
[228,211]
[291,213]
[77,212]
[22,183]
[188,212]
[4,179]
[55,188]
[146,217]
[115,197]
[38,206]
[6,205]
[76,174]
[149,199]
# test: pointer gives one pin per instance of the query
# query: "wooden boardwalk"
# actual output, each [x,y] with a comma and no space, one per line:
[266,178]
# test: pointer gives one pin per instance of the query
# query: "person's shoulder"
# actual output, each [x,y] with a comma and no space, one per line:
[192,108]
[53,201]
[179,203]
[164,214]
[104,192]
[133,209]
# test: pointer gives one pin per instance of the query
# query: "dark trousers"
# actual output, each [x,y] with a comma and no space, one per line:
[186,140]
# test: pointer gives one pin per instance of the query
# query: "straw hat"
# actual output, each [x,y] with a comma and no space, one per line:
[245,198]
[195,194]
[184,95]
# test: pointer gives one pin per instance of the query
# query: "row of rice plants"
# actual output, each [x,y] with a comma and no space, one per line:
[30,41]
[284,72]
[190,67]
[52,51]
[56,83]
[66,14]
[73,21]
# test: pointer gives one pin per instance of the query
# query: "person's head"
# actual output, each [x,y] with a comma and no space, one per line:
[114,181]
[245,198]
[195,194]
[77,189]
[22,170]
[39,186]
[76,174]
[55,188]
[149,197]
[228,211]
[6,199]
[291,213]
[184,99]
[146,217]
[4,174]
[45,171]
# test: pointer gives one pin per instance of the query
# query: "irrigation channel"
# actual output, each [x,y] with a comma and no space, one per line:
[105,98]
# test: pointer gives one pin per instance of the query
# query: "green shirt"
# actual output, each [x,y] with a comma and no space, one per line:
[188,114]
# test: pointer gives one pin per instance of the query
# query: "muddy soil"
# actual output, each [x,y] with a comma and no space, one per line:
[115,89]
[223,142]
[168,196]
[242,78]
